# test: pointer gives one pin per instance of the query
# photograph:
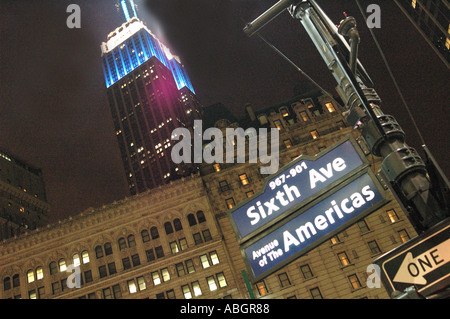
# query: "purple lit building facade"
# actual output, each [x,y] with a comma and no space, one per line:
[147,88]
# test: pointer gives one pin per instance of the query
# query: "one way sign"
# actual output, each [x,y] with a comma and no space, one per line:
[424,262]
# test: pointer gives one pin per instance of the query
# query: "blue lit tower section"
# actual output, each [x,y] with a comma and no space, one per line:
[150,94]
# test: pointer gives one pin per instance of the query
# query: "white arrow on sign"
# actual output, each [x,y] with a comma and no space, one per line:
[413,269]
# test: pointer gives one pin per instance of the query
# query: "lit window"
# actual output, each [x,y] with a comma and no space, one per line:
[165,274]
[244,179]
[277,124]
[304,116]
[221,280]
[284,112]
[85,257]
[354,281]
[230,202]
[414,3]
[392,216]
[404,237]
[262,289]
[30,276]
[186,291]
[141,283]
[76,260]
[447,41]
[334,240]
[330,107]
[39,273]
[132,286]
[315,134]
[211,283]
[174,247]
[249,194]
[196,288]
[343,258]
[287,143]
[204,260]
[217,167]
[156,278]
[62,265]
[214,258]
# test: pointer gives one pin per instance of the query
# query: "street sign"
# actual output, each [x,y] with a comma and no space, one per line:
[295,185]
[313,224]
[423,262]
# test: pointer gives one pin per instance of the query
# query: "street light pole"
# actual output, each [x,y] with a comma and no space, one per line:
[402,166]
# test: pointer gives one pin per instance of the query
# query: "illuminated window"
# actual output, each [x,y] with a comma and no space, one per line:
[392,216]
[221,280]
[315,134]
[249,194]
[85,257]
[262,289]
[304,116]
[284,112]
[141,283]
[287,143]
[62,265]
[354,281]
[174,247]
[156,279]
[244,179]
[404,237]
[447,41]
[330,107]
[183,244]
[211,283]
[131,286]
[343,258]
[186,291]
[196,288]
[76,260]
[39,273]
[278,125]
[30,276]
[230,202]
[217,167]
[414,3]
[214,257]
[334,240]
[32,294]
[204,260]
[190,266]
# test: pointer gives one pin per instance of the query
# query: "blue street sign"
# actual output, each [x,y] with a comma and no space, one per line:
[306,229]
[298,182]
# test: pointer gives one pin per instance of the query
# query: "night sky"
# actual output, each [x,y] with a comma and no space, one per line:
[54,112]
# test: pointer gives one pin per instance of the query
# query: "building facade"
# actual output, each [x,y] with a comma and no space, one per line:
[431,19]
[176,240]
[150,94]
[23,202]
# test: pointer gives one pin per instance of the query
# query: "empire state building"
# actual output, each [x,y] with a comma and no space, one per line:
[150,94]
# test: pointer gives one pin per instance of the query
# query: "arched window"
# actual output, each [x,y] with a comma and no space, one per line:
[7,283]
[177,224]
[39,273]
[168,228]
[108,249]
[62,265]
[122,243]
[154,232]
[16,281]
[131,241]
[53,268]
[85,257]
[76,260]
[98,252]
[30,276]
[191,219]
[145,236]
[201,217]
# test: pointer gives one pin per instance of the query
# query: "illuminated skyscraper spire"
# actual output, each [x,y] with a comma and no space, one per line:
[128,9]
